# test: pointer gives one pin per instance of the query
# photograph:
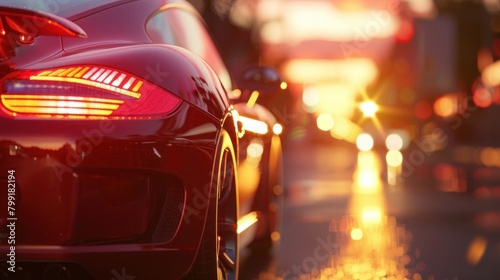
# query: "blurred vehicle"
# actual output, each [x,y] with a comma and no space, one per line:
[266,87]
[123,152]
[457,140]
[455,147]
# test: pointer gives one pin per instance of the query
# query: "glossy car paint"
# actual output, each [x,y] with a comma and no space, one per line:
[101,196]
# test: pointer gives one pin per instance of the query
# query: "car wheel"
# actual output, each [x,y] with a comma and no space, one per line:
[269,227]
[218,254]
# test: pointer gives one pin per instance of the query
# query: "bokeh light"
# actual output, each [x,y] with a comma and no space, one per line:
[255,149]
[364,142]
[423,110]
[476,250]
[277,129]
[356,234]
[482,98]
[310,98]
[369,108]
[325,122]
[345,129]
[394,158]
[446,106]
[394,142]
[371,215]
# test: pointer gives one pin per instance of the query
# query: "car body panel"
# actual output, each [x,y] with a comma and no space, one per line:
[84,171]
[105,194]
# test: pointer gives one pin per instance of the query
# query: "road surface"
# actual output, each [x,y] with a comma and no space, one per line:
[342,220]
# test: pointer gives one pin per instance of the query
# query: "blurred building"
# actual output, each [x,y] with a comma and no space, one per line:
[404,56]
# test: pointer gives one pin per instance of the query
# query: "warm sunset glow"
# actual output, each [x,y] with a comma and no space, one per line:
[357,71]
[306,20]
[345,129]
[335,99]
[367,175]
[367,180]
[371,216]
[369,108]
[376,247]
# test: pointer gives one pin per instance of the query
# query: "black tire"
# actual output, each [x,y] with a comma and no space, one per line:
[218,255]
[271,190]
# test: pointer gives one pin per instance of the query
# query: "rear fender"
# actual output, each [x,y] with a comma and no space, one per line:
[175,69]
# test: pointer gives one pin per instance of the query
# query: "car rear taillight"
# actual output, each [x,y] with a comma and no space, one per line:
[83,92]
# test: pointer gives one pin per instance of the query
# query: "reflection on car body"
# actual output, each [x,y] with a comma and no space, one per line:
[128,154]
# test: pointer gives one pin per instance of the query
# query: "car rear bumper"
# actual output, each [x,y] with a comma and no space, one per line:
[99,197]
[100,262]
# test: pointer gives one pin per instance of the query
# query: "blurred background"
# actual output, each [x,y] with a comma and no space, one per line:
[390,119]
[419,74]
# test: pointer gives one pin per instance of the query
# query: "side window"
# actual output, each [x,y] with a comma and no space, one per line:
[176,26]
[159,29]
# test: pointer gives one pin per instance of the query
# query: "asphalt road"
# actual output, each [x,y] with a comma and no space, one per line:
[342,220]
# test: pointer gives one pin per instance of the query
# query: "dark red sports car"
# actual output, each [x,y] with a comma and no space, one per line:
[122,152]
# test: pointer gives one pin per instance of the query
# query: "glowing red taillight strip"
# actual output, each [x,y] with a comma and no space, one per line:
[83,92]
[98,77]
[47,104]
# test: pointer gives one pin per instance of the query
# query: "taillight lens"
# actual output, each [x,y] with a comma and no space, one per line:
[83,92]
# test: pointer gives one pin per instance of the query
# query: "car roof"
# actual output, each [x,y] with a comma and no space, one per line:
[75,9]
